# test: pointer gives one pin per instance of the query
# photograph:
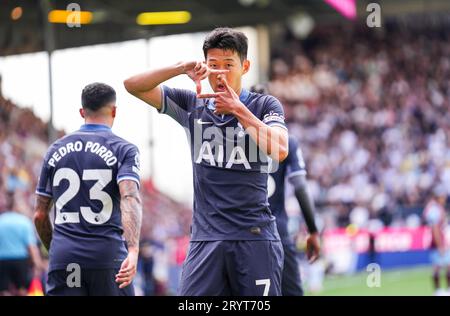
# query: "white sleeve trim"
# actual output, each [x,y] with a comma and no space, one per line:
[43,194]
[296,173]
[274,123]
[129,178]
[163,101]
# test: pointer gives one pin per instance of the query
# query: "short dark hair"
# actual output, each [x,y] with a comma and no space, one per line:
[96,95]
[228,39]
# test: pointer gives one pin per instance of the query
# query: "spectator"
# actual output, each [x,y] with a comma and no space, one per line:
[371,112]
[17,248]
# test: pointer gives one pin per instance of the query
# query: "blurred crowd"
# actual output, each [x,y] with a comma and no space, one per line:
[23,143]
[370,108]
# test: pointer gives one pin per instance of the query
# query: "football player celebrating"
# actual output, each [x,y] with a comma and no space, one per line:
[235,247]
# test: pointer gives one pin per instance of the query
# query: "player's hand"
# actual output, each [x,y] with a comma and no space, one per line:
[197,71]
[226,101]
[313,247]
[128,269]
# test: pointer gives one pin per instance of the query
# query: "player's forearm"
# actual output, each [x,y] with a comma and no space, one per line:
[270,140]
[149,80]
[131,208]
[305,201]
[131,221]
[42,220]
[44,229]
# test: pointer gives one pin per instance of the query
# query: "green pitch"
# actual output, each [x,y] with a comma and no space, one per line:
[411,281]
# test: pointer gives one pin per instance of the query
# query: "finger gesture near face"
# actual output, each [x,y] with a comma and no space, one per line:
[199,70]
[226,100]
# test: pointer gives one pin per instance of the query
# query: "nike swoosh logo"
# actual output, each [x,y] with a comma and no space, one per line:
[199,121]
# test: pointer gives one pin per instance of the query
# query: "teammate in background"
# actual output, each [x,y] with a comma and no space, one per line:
[235,248]
[436,217]
[17,247]
[293,169]
[92,176]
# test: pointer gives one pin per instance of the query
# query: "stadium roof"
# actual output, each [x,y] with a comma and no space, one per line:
[115,20]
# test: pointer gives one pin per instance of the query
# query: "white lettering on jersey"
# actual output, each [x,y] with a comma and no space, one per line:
[206,154]
[241,160]
[94,148]
[271,186]
[237,156]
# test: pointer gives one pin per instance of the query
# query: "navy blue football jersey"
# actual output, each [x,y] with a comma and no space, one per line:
[81,173]
[291,166]
[230,172]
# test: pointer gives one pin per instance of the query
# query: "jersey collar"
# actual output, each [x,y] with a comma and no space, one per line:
[94,127]
[244,95]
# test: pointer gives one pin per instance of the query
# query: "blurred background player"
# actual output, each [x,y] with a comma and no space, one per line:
[293,169]
[235,247]
[92,177]
[436,217]
[18,248]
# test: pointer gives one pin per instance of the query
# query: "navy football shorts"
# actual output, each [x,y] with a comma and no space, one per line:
[237,268]
[93,282]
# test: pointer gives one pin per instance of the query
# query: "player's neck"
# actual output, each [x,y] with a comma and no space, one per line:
[238,90]
[98,120]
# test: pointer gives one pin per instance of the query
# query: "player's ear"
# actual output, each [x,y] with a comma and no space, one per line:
[114,109]
[245,66]
[82,112]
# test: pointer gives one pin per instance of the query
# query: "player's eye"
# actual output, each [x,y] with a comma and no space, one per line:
[229,65]
[213,66]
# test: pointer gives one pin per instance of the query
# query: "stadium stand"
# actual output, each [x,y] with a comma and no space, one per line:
[370,109]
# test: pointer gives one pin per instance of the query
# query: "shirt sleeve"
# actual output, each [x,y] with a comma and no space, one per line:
[177,103]
[129,168]
[295,162]
[273,113]
[44,186]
